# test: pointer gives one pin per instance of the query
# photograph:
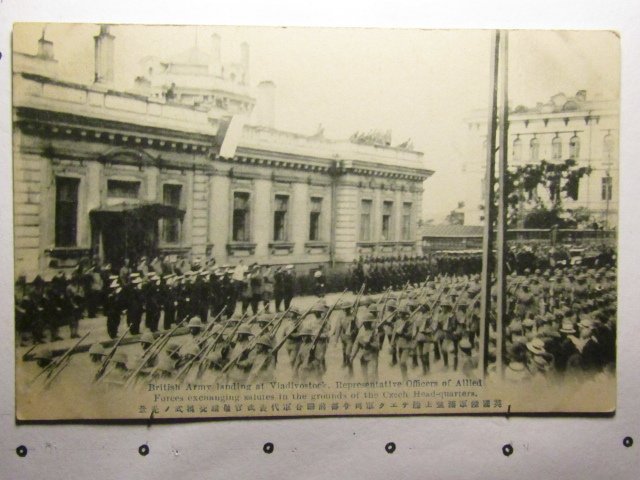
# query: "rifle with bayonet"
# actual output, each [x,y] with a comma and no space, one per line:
[155,348]
[62,363]
[109,356]
[49,369]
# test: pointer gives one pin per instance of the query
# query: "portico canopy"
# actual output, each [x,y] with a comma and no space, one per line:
[146,211]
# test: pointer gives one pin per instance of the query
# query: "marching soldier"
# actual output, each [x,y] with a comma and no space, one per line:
[424,336]
[242,354]
[367,341]
[345,333]
[403,339]
[263,367]
[306,366]
[290,325]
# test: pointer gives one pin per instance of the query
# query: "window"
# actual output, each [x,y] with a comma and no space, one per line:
[122,189]
[66,211]
[280,211]
[607,146]
[574,147]
[534,149]
[556,148]
[314,218]
[170,227]
[241,212]
[517,150]
[365,220]
[607,188]
[406,221]
[387,209]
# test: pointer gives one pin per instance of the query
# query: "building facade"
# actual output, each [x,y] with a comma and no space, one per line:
[585,130]
[172,168]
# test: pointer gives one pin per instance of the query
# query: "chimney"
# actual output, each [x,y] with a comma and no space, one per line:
[244,59]
[45,48]
[104,56]
[265,114]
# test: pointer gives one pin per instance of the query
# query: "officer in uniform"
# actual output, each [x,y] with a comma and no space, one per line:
[113,308]
[134,303]
[288,285]
[167,292]
[151,295]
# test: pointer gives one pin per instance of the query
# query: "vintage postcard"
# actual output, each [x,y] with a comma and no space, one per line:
[218,222]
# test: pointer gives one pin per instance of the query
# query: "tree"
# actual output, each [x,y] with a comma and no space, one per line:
[559,181]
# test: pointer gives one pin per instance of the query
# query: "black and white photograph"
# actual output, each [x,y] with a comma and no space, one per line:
[237,222]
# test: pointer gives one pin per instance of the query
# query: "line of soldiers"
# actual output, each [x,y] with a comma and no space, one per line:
[155,296]
[380,273]
[561,324]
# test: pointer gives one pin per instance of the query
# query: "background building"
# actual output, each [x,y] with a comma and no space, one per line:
[576,127]
[177,166]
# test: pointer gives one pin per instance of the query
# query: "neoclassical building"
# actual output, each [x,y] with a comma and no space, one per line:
[565,127]
[177,166]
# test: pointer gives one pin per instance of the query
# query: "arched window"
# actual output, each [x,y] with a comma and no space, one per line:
[556,149]
[608,146]
[517,150]
[534,149]
[574,147]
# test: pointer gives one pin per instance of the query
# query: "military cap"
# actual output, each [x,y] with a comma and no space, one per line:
[165,365]
[146,337]
[44,354]
[294,311]
[306,332]
[97,349]
[172,348]
[190,350]
[364,301]
[373,308]
[368,318]
[320,307]
[244,330]
[195,322]
[264,318]
[114,284]
[120,357]
[528,322]
[343,305]
[465,344]
[265,340]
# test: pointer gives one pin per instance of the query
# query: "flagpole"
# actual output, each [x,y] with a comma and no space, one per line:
[501,241]
[489,195]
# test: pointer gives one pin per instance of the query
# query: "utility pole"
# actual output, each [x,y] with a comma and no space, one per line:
[489,195]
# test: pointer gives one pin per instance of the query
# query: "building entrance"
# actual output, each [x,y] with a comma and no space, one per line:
[125,231]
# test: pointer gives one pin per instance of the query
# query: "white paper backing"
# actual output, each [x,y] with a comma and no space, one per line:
[427,447]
